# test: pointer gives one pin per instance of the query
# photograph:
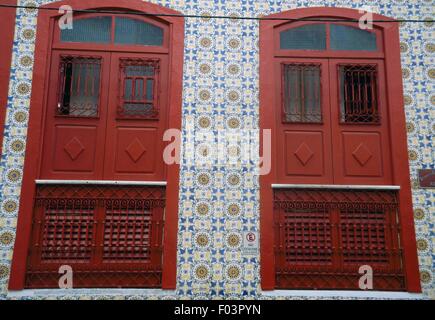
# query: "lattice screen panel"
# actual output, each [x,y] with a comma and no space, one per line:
[323,237]
[111,236]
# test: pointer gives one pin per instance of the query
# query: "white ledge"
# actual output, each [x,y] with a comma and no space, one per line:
[344,294]
[334,186]
[308,294]
[103,182]
[88,292]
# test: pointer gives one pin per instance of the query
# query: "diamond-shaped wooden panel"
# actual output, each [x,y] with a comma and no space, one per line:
[74,148]
[135,151]
[362,154]
[304,153]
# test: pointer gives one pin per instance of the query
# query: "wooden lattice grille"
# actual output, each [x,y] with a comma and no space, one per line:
[111,236]
[323,237]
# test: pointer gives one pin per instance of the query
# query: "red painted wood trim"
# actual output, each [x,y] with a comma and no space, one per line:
[399,151]
[45,24]
[173,171]
[7,25]
[267,121]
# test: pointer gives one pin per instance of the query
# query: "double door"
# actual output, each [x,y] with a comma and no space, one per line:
[331,122]
[105,118]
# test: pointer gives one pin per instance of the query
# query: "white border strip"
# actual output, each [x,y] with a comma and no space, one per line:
[56,293]
[103,182]
[334,186]
[343,294]
[320,294]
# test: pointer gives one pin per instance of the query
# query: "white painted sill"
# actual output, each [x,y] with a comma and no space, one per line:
[102,182]
[46,293]
[312,294]
[159,293]
[334,186]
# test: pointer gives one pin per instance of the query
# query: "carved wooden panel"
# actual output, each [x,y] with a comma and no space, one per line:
[75,148]
[362,154]
[304,153]
[135,150]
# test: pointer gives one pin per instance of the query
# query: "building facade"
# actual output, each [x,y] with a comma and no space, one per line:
[86,117]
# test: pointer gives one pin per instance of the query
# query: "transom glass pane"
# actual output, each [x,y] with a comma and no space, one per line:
[309,37]
[131,31]
[97,30]
[350,38]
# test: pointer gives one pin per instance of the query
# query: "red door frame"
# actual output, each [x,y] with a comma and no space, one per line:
[37,115]
[7,25]
[399,150]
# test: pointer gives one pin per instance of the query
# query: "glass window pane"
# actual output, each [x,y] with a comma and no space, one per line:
[97,30]
[127,89]
[150,88]
[302,95]
[131,31]
[80,86]
[309,37]
[358,94]
[350,38]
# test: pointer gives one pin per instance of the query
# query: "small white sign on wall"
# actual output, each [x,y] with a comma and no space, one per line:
[250,243]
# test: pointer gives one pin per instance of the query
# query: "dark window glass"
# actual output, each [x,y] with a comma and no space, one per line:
[79,86]
[358,94]
[131,31]
[309,37]
[301,94]
[350,38]
[97,30]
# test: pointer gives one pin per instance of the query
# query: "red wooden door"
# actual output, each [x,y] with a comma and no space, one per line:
[304,152]
[137,117]
[346,141]
[106,116]
[361,143]
[76,115]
